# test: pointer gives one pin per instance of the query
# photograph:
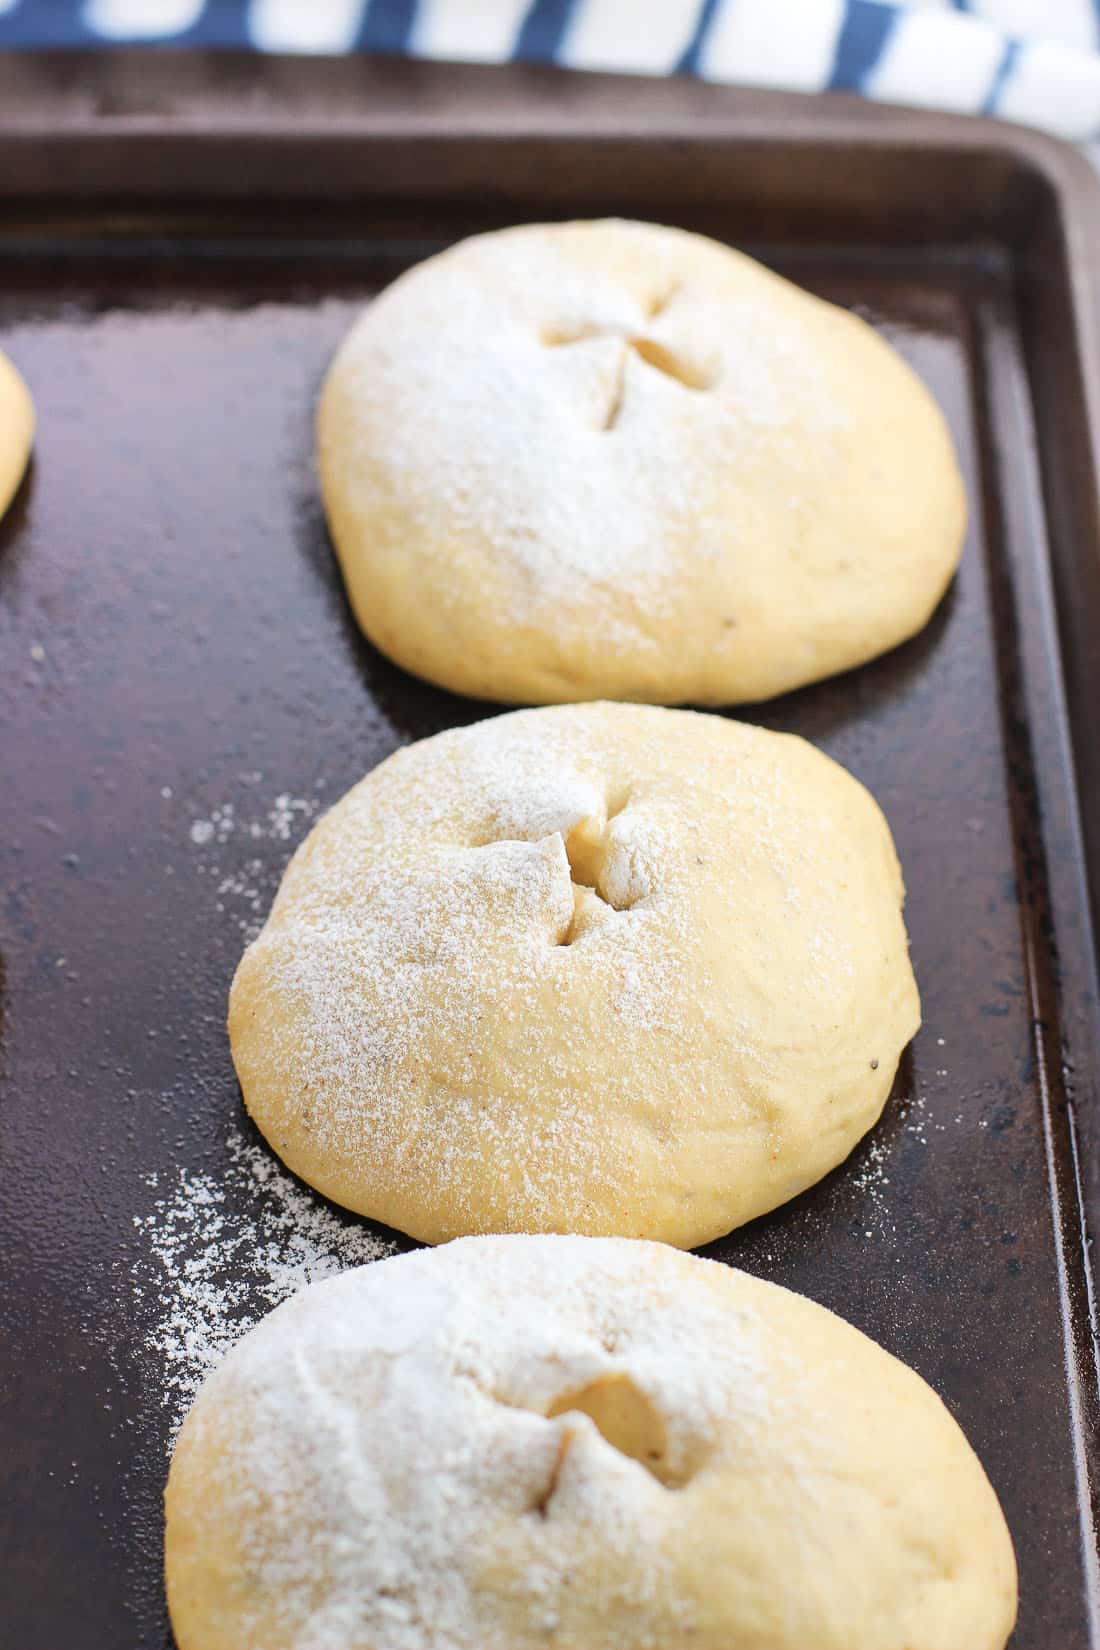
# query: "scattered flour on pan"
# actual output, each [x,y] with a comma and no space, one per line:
[245,887]
[277,825]
[219,1251]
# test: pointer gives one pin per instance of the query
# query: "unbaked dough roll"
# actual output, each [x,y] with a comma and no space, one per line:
[16,430]
[551,1443]
[596,968]
[608,459]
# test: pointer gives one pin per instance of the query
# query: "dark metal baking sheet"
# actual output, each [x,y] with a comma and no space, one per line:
[174,638]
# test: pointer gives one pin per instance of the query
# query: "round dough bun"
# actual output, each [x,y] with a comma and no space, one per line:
[16,430]
[610,460]
[596,968]
[562,1443]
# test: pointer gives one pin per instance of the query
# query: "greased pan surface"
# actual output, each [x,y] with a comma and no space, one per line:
[182,688]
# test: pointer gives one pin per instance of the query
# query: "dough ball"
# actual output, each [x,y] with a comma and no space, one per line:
[588,460]
[16,430]
[563,1443]
[596,968]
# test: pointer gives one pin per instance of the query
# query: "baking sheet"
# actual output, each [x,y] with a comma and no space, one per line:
[182,689]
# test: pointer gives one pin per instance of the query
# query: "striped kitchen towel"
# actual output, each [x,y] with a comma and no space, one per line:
[1036,61]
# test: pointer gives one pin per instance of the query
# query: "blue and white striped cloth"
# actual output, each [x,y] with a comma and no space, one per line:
[1036,61]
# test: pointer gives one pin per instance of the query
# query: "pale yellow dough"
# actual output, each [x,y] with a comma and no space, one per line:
[596,968]
[16,430]
[614,460]
[555,1443]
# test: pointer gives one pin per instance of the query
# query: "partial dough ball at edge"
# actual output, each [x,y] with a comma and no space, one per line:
[16,430]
